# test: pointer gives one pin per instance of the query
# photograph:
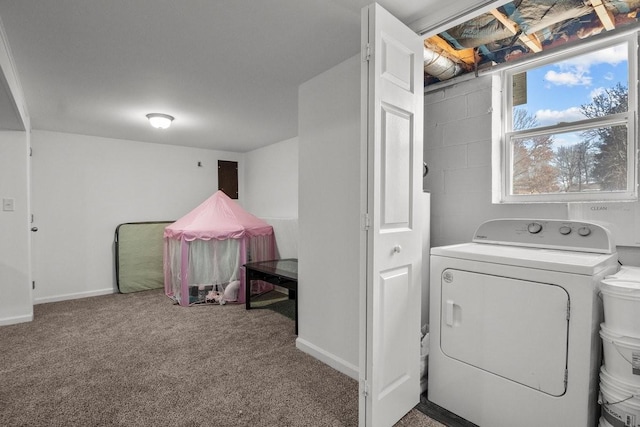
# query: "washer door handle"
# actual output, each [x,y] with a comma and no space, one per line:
[448,312]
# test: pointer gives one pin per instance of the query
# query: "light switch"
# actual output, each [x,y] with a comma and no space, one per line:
[8,205]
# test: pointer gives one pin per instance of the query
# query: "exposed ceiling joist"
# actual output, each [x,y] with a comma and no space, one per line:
[605,16]
[466,56]
[530,40]
[514,30]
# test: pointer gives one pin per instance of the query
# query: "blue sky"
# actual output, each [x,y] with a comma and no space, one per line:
[556,91]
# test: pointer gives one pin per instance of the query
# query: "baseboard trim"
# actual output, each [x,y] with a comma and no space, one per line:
[328,358]
[6,321]
[78,295]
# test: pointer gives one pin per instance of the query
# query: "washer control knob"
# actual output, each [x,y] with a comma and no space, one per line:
[534,228]
[564,230]
[584,231]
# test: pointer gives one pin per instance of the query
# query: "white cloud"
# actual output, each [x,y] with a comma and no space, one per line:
[575,71]
[608,76]
[568,78]
[552,117]
[612,55]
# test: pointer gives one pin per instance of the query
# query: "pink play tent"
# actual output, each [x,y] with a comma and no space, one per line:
[208,247]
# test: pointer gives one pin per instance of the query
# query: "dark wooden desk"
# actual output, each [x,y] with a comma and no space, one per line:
[281,272]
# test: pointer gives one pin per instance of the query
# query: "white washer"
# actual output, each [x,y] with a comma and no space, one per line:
[514,320]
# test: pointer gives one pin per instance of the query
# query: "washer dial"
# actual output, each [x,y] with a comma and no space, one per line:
[584,231]
[534,227]
[564,230]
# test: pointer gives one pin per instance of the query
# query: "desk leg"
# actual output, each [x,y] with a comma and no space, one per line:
[295,313]
[247,289]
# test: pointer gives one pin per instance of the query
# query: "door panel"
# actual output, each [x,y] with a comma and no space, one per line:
[396,63]
[513,328]
[396,172]
[393,101]
[393,296]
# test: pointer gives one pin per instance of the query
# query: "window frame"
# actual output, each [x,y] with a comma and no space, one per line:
[628,118]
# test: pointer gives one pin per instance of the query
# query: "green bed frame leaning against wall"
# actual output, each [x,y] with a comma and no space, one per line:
[138,256]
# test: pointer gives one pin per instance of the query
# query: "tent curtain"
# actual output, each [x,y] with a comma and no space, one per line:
[214,262]
[259,248]
[172,269]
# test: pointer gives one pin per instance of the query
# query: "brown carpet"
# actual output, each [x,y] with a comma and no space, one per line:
[138,360]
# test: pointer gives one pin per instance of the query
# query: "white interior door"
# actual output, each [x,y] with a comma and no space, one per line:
[390,315]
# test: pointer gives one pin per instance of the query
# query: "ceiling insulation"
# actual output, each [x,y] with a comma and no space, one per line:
[522,28]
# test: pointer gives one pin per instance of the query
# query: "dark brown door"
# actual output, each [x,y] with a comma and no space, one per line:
[228,178]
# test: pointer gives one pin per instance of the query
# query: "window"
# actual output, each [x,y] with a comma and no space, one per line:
[569,126]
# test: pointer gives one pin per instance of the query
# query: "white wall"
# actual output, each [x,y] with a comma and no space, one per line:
[271,177]
[15,247]
[271,182]
[15,281]
[457,148]
[329,216]
[83,187]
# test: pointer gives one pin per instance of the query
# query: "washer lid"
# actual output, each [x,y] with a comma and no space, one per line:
[539,258]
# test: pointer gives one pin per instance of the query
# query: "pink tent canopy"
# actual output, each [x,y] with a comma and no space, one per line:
[197,249]
[218,217]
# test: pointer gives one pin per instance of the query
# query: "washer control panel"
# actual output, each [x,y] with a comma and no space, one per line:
[547,233]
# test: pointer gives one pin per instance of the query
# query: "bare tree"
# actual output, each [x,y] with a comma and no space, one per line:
[566,164]
[574,164]
[533,171]
[610,167]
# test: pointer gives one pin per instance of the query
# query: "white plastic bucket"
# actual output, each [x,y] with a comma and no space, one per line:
[621,356]
[621,300]
[620,402]
[626,272]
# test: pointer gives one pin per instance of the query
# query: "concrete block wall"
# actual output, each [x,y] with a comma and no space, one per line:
[458,126]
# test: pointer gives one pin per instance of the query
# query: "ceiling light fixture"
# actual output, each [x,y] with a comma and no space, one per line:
[159,121]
